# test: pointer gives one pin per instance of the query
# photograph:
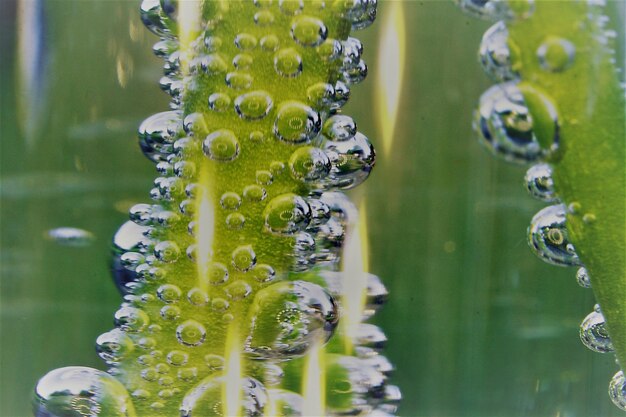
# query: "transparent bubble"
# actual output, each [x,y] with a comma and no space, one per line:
[285,403]
[548,237]
[339,127]
[129,237]
[353,375]
[269,43]
[352,161]
[170,312]
[264,177]
[291,7]
[140,214]
[157,134]
[191,333]
[254,193]
[342,94]
[320,212]
[113,346]
[263,273]
[235,221]
[217,273]
[308,164]
[582,277]
[243,61]
[214,362]
[288,63]
[264,18]
[556,54]
[288,317]
[370,336]
[212,64]
[308,31]
[498,9]
[221,145]
[169,293]
[287,214]
[593,333]
[376,293]
[206,398]
[498,54]
[77,391]
[238,290]
[296,122]
[165,47]
[239,80]
[508,129]
[219,102]
[167,251]
[254,105]
[539,183]
[71,236]
[197,297]
[131,320]
[230,201]
[245,41]
[320,95]
[617,390]
[177,358]
[155,19]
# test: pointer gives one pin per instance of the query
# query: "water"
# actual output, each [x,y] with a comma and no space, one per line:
[476,325]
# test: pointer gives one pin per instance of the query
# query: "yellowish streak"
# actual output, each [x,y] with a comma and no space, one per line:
[391,59]
[314,383]
[354,266]
[205,228]
[189,18]
[232,389]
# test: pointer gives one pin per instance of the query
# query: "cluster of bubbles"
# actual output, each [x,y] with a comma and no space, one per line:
[166,353]
[517,132]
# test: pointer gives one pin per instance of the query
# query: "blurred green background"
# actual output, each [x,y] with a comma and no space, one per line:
[477,326]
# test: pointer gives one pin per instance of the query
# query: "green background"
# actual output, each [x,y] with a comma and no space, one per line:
[477,326]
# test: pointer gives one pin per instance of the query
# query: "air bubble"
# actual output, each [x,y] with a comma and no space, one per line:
[330,50]
[320,95]
[191,333]
[254,193]
[217,273]
[219,102]
[291,7]
[498,54]
[230,201]
[617,390]
[498,9]
[254,105]
[352,161]
[245,41]
[212,64]
[288,63]
[157,134]
[308,31]
[287,214]
[76,391]
[243,61]
[214,362]
[308,164]
[264,18]
[507,128]
[296,122]
[167,251]
[556,54]
[221,145]
[264,177]
[548,237]
[270,43]
[263,273]
[140,214]
[169,293]
[131,320]
[197,297]
[582,277]
[339,128]
[154,18]
[113,346]
[170,313]
[238,290]
[539,183]
[206,398]
[244,258]
[177,358]
[235,221]
[238,80]
[593,333]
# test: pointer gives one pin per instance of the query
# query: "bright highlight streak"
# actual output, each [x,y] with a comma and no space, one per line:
[232,389]
[391,58]
[205,229]
[354,266]
[314,383]
[188,19]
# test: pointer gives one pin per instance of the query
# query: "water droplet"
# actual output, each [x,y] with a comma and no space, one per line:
[239,80]
[352,161]
[320,95]
[254,105]
[539,183]
[245,41]
[213,43]
[149,374]
[270,43]
[191,333]
[177,358]
[140,214]
[206,398]
[556,54]
[157,134]
[131,320]
[221,145]
[370,336]
[288,317]
[308,31]
[342,94]
[498,54]
[230,201]
[339,127]
[308,164]
[330,50]
[71,236]
[589,218]
[170,312]
[357,377]
[243,61]
[169,293]
[277,167]
[235,221]
[214,362]
[254,193]
[263,273]
[219,102]
[548,237]
[76,391]
[238,290]
[167,251]
[244,258]
[217,273]
[287,214]
[296,122]
[507,128]
[113,346]
[594,334]
[288,62]
[155,19]
[197,297]
[617,390]
[212,64]
[291,7]
[264,177]
[264,18]
[498,9]
[582,277]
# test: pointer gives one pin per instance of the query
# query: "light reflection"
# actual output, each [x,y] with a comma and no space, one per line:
[204,229]
[314,383]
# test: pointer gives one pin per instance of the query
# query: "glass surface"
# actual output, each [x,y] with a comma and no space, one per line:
[477,325]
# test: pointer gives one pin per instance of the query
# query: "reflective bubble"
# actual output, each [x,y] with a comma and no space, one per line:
[296,122]
[245,41]
[291,7]
[170,313]
[320,95]
[157,134]
[548,237]
[498,9]
[288,317]
[221,145]
[264,18]
[219,102]
[206,398]
[131,320]
[342,94]
[539,183]
[155,19]
[352,161]
[71,236]
[113,346]
[287,214]
[169,293]
[235,221]
[498,54]
[355,376]
[593,333]
[212,64]
[217,273]
[230,201]
[375,296]
[254,105]
[243,61]
[77,391]
[197,297]
[243,258]
[370,336]
[177,358]
[308,31]
[269,43]
[507,128]
[167,251]
[238,290]
[308,164]
[617,390]
[264,177]
[582,277]
[556,54]
[254,193]
[140,214]
[165,47]
[214,362]
[320,212]
[238,80]
[191,333]
[288,63]
[285,403]
[263,273]
[339,127]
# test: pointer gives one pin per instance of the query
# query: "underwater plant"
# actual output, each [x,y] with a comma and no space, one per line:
[559,106]
[238,295]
